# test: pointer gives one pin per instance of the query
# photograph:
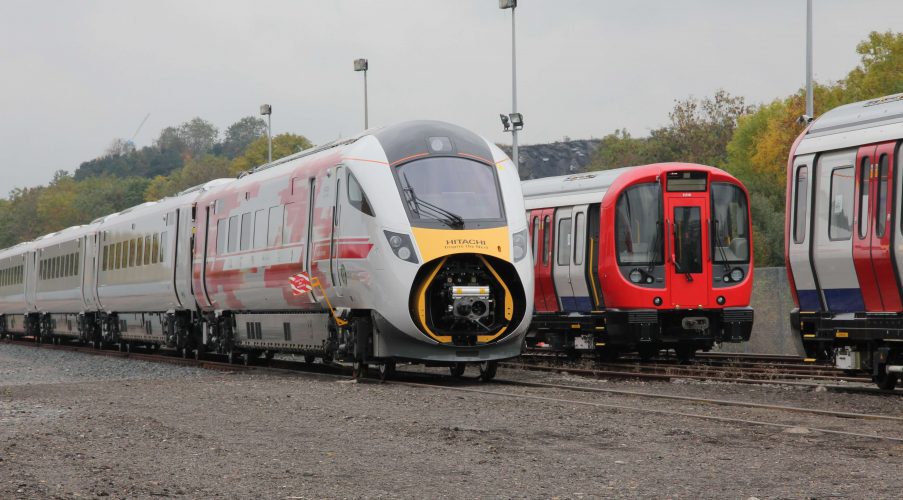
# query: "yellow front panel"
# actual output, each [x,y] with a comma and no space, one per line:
[435,243]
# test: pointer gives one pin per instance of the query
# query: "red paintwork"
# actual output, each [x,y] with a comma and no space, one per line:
[885,274]
[788,214]
[545,300]
[208,269]
[681,293]
[619,293]
[862,244]
[539,298]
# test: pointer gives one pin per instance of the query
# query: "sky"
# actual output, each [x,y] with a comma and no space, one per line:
[76,75]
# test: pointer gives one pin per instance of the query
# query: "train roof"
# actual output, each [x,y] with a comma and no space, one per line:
[590,187]
[863,122]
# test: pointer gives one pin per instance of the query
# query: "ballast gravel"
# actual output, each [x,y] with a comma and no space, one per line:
[138,431]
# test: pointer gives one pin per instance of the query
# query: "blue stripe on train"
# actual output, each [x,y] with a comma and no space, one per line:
[839,300]
[808,300]
[844,299]
[576,304]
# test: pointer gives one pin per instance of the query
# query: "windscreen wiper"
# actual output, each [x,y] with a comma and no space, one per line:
[655,247]
[415,203]
[718,234]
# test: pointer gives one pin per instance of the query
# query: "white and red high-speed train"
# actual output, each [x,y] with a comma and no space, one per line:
[415,233]
[844,237]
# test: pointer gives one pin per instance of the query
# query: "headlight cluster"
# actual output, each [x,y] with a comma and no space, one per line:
[402,246]
[736,275]
[519,245]
[638,276]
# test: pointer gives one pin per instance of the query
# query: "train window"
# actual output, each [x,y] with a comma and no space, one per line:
[68,267]
[547,236]
[117,256]
[147,249]
[76,261]
[222,231]
[840,216]
[535,237]
[139,251]
[865,173]
[579,238]
[881,213]
[132,253]
[730,242]
[336,213]
[564,242]
[638,227]
[260,229]
[162,245]
[802,203]
[233,233]
[356,196]
[289,214]
[245,231]
[274,225]
[155,249]
[688,239]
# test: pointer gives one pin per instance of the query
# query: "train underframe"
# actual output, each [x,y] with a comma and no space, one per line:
[244,335]
[644,331]
[870,343]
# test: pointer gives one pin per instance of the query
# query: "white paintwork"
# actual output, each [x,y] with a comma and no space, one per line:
[799,252]
[569,190]
[833,259]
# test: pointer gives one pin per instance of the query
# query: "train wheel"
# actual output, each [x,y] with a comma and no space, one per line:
[358,370]
[457,370]
[386,370]
[488,370]
[886,381]
[309,358]
[269,354]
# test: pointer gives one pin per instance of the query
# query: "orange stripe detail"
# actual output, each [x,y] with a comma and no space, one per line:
[365,159]
[418,155]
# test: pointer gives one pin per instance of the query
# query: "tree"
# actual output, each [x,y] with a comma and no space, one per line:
[240,135]
[881,69]
[194,172]
[256,153]
[199,136]
[620,149]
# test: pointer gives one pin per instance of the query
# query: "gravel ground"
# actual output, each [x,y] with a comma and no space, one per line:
[80,425]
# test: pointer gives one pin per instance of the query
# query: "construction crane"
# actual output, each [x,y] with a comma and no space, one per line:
[131,141]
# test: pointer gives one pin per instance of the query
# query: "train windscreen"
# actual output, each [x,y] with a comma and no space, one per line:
[730,241]
[638,227]
[450,191]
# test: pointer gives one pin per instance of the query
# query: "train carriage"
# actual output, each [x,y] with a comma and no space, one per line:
[844,239]
[640,259]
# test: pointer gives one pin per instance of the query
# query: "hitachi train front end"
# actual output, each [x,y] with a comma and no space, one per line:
[453,279]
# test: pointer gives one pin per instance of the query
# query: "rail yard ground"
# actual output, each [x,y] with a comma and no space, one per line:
[76,425]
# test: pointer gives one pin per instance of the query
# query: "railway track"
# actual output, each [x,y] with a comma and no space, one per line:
[437,382]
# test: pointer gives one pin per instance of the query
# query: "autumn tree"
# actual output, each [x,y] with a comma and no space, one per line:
[256,153]
[194,172]
[240,135]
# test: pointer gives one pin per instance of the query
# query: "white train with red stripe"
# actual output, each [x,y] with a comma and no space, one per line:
[640,259]
[405,243]
[844,239]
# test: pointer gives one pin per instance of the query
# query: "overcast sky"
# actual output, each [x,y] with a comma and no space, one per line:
[76,75]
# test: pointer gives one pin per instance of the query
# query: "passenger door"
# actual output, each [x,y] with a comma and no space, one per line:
[882,227]
[561,263]
[689,269]
[535,218]
[803,191]
[578,275]
[336,271]
[544,262]
[863,227]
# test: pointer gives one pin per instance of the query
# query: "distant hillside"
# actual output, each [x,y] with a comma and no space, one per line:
[556,158]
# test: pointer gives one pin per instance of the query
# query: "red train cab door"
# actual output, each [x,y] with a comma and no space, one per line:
[545,299]
[873,229]
[688,272]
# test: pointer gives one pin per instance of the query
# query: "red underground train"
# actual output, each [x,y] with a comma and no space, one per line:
[640,259]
